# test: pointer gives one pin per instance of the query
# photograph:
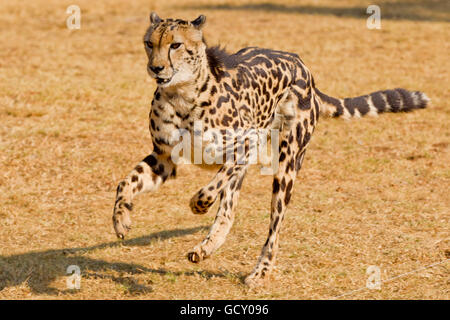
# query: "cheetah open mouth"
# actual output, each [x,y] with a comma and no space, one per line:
[162,80]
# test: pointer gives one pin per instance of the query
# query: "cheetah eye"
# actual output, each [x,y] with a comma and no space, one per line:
[175,45]
[148,44]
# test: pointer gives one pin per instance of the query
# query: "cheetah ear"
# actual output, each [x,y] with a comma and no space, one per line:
[199,22]
[154,19]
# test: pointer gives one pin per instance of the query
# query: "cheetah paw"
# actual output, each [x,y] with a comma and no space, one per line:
[254,280]
[196,255]
[200,204]
[121,221]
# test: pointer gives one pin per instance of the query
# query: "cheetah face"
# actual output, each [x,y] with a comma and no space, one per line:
[174,49]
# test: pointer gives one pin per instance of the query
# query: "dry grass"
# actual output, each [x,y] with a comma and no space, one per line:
[73,114]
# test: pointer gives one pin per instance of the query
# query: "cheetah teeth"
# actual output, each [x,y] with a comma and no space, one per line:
[162,81]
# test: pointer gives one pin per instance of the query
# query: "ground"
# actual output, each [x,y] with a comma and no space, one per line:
[74,121]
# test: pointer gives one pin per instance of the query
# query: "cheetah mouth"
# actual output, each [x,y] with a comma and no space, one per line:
[162,80]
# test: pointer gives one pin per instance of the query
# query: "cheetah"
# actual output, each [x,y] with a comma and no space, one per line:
[252,88]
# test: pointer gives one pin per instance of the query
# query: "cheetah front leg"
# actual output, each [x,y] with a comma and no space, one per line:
[229,194]
[147,176]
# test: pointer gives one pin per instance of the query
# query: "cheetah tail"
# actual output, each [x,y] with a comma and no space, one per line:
[396,100]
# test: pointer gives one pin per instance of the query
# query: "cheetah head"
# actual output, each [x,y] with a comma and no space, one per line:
[175,48]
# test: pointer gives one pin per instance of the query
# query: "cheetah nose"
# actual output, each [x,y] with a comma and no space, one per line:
[157,69]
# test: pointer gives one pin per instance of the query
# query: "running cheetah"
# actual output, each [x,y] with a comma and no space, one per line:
[253,88]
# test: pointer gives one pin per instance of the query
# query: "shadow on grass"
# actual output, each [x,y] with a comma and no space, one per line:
[434,9]
[39,269]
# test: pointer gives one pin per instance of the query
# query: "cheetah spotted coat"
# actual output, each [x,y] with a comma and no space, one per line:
[253,88]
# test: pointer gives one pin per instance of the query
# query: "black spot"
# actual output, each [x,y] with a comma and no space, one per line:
[275,223]
[304,103]
[311,117]
[299,133]
[288,193]
[279,206]
[150,160]
[205,85]
[139,169]
[157,150]
[283,184]
[276,185]
[298,161]
[159,170]
[307,138]
[301,83]
[230,90]
[260,60]
[222,100]
[241,180]
[160,141]
[226,120]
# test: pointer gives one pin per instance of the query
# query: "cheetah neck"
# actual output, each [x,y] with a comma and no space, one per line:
[185,97]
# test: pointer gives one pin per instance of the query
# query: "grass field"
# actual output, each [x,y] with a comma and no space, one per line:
[74,116]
